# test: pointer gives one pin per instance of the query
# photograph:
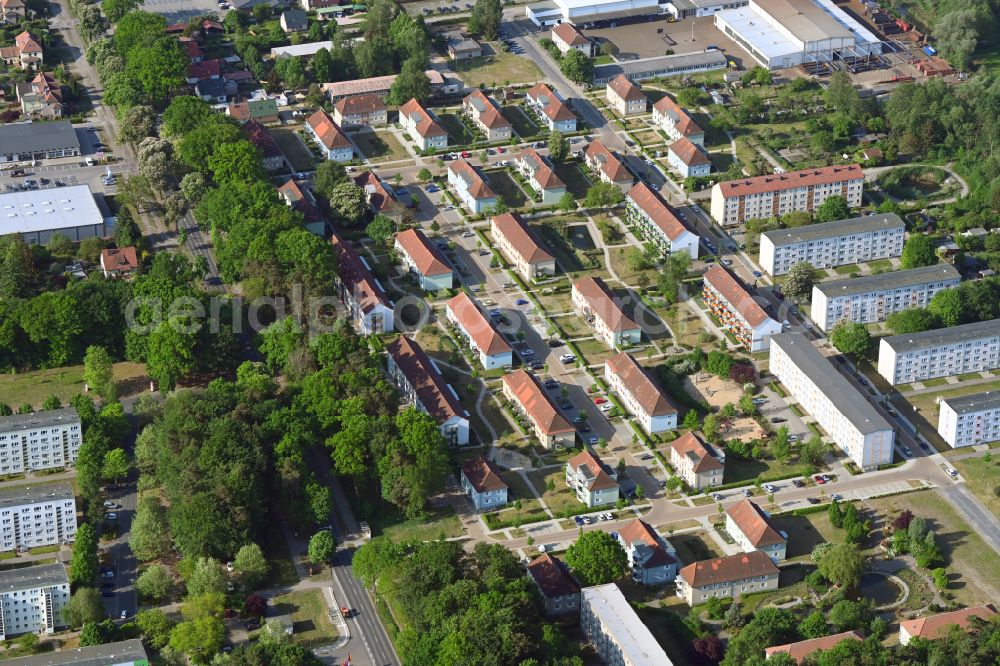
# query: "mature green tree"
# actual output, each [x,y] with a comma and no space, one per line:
[577,67]
[155,627]
[193,187]
[957,36]
[121,89]
[238,161]
[83,564]
[781,448]
[322,66]
[913,320]
[813,451]
[374,57]
[183,114]
[799,280]
[251,565]
[381,229]
[558,146]
[842,95]
[597,558]
[206,577]
[769,626]
[116,465]
[116,9]
[160,69]
[814,625]
[328,176]
[200,638]
[485,18]
[154,583]
[918,251]
[127,232]
[322,546]
[842,565]
[603,195]
[832,209]
[98,633]
[412,469]
[84,606]
[92,22]
[567,203]
[348,204]
[320,499]
[850,337]
[947,307]
[376,558]
[137,123]
[410,83]
[170,353]
[846,615]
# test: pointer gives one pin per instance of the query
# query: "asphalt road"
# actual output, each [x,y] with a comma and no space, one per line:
[365,623]
[120,556]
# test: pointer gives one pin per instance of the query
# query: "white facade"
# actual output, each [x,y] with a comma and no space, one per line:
[483,339]
[39,441]
[657,223]
[811,379]
[832,244]
[550,13]
[970,420]
[737,310]
[32,599]
[695,169]
[867,300]
[617,634]
[641,397]
[41,515]
[944,352]
[471,187]
[592,300]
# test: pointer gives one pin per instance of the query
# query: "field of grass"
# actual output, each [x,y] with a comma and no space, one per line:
[806,532]
[573,326]
[505,187]
[694,547]
[595,351]
[685,325]
[981,478]
[33,388]
[620,265]
[501,68]
[561,497]
[523,125]
[926,403]
[443,521]
[300,157]
[739,469]
[310,617]
[576,182]
[379,146]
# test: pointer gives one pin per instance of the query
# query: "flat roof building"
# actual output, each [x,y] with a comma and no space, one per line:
[122,653]
[39,214]
[41,440]
[970,420]
[685,9]
[830,244]
[872,298]
[660,66]
[958,350]
[615,631]
[737,310]
[549,13]
[37,515]
[851,421]
[24,142]
[32,599]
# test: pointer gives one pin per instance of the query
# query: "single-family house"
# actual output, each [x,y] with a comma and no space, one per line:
[380,197]
[215,90]
[594,302]
[750,526]
[540,174]
[471,186]
[368,306]
[26,53]
[331,139]
[625,96]
[271,157]
[423,126]
[675,121]
[688,158]
[483,484]
[652,558]
[640,395]
[300,198]
[468,320]
[485,113]
[360,110]
[204,69]
[726,577]
[696,463]
[294,20]
[560,591]
[524,392]
[594,483]
[41,97]
[551,108]
[521,246]
[567,37]
[261,109]
[120,262]
[607,165]
[938,625]
[11,11]
[423,260]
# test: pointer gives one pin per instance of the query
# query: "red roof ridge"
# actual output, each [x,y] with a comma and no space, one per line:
[801,178]
[476,325]
[638,383]
[753,522]
[536,403]
[738,298]
[425,255]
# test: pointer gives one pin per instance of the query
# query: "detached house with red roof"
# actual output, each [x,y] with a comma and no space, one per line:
[331,139]
[560,591]
[485,113]
[688,158]
[937,626]
[736,308]
[750,526]
[41,96]
[483,485]
[421,384]
[696,463]
[119,262]
[271,157]
[639,394]
[549,425]
[423,126]
[625,97]
[652,558]
[800,650]
[521,246]
[368,306]
[595,484]
[726,577]
[423,260]
[675,121]
[300,198]
[26,53]
[361,110]
[541,175]
[468,320]
[656,222]
[551,108]
[607,165]
[471,186]
[380,197]
[567,37]
[594,302]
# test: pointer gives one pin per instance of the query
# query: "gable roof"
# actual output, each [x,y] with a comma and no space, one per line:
[554,108]
[487,110]
[541,169]
[27,43]
[258,135]
[482,475]
[356,277]
[602,304]
[366,103]
[434,394]
[802,649]
[782,181]
[640,531]
[936,626]
[300,199]
[683,123]
[689,446]
[657,210]
[426,124]
[736,295]
[521,237]
[536,403]
[635,380]
[592,469]
[751,520]
[476,325]
[380,198]
[425,255]
[191,47]
[689,152]
[570,34]
[329,132]
[476,183]
[552,577]
[728,569]
[120,259]
[625,89]
[610,164]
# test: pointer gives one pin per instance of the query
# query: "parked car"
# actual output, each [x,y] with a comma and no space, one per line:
[599,400]
[953,473]
[565,404]
[770,487]
[777,419]
[747,492]
[567,358]
[798,483]
[578,520]
[717,497]
[607,407]
[112,516]
[521,301]
[813,500]
[819,479]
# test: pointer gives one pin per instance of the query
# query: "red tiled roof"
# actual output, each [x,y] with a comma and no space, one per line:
[722,281]
[327,130]
[754,524]
[380,198]
[603,305]
[688,443]
[26,43]
[689,152]
[205,69]
[639,530]
[682,121]
[425,255]
[635,380]
[238,75]
[476,325]
[191,48]
[260,137]
[120,259]
[728,569]
[482,475]
[600,480]
[625,89]
[433,393]
[552,577]
[570,34]
[536,403]
[356,276]
[802,649]
[426,124]
[936,626]
[300,200]
[553,107]
[521,237]
[239,111]
[657,209]
[488,112]
[366,103]
[612,167]
[792,179]
[543,172]
[478,186]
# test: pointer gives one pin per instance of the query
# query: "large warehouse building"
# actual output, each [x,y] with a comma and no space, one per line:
[583,11]
[789,33]
[38,214]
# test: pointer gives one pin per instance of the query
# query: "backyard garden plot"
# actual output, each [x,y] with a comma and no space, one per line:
[459,134]
[573,176]
[913,183]
[523,124]
[560,498]
[378,146]
[508,190]
[298,154]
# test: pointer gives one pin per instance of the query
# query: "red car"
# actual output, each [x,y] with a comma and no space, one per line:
[819,479]
[501,149]
[466,153]
[600,401]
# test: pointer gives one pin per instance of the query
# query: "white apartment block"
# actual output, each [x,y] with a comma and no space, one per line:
[914,357]
[37,515]
[812,380]
[737,310]
[773,195]
[38,441]
[594,302]
[699,465]
[830,244]
[594,484]
[484,341]
[614,630]
[870,299]
[675,121]
[970,420]
[751,528]
[639,394]
[32,599]
[649,213]
[521,246]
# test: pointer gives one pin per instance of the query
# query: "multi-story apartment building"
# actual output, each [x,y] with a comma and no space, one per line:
[652,558]
[726,577]
[689,159]
[423,259]
[331,139]
[872,298]
[733,305]
[811,379]
[485,113]
[799,650]
[932,627]
[567,37]
[420,383]
[773,195]
[970,420]
[560,591]
[32,599]
[483,484]
[593,301]
[541,175]
[649,213]
[830,244]
[608,166]
[958,350]
[750,526]
[121,653]
[675,121]
[615,631]
[471,186]
[492,350]
[422,126]
[625,97]
[639,394]
[547,422]
[697,463]
[551,108]
[521,246]
[33,516]
[362,110]
[594,483]
[39,441]
[368,306]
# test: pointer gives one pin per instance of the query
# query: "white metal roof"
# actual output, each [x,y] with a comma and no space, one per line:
[619,620]
[756,28]
[48,209]
[299,50]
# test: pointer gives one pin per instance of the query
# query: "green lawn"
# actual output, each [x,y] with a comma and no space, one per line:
[576,182]
[458,133]
[310,617]
[594,351]
[573,326]
[561,497]
[298,154]
[379,146]
[505,187]
[806,532]
[981,478]
[34,387]
[694,547]
[936,381]
[497,69]
[620,265]
[443,521]
[523,125]
[739,469]
[880,265]
[846,269]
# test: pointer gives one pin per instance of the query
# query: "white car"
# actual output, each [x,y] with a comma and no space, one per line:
[953,473]
[124,613]
[607,407]
[785,324]
[770,487]
[567,358]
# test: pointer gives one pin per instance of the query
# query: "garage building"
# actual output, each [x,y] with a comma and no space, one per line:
[787,33]
[38,214]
